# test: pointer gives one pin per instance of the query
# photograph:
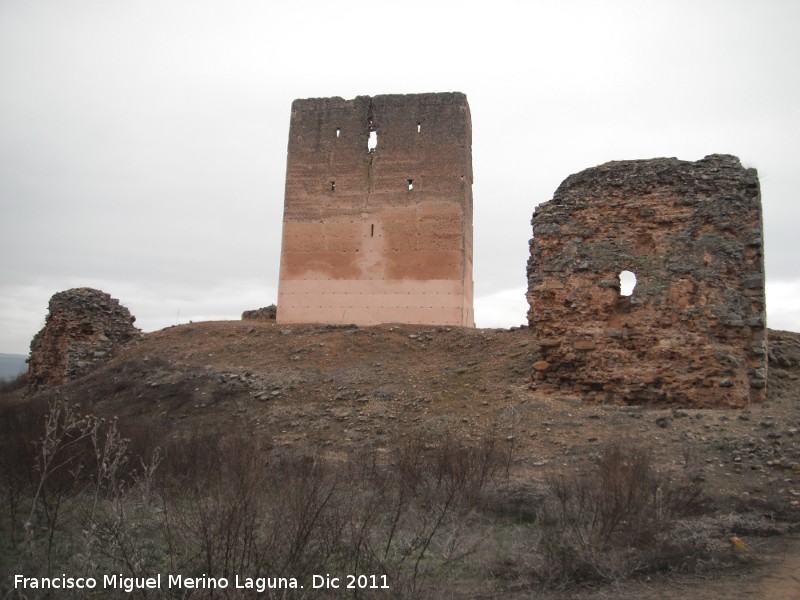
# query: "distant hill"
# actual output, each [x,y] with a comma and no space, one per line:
[12,365]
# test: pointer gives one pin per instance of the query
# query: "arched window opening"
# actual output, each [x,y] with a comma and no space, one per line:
[372,142]
[627,283]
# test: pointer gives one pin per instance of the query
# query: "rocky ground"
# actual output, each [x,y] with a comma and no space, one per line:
[334,389]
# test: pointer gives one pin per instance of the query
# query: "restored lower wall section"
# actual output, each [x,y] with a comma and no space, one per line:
[370,302]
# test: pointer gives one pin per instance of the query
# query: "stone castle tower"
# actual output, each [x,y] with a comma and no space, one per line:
[377,224]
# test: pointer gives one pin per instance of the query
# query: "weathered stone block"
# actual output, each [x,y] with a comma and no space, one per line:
[584,345]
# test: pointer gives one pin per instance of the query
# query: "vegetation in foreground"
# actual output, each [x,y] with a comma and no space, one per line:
[86,497]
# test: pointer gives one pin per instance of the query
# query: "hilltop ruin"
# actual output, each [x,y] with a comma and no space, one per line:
[377,229]
[693,330]
[83,328]
[377,222]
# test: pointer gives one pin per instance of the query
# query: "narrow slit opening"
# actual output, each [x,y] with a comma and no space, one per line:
[419,126]
[333,186]
[372,230]
[338,131]
[410,184]
[372,142]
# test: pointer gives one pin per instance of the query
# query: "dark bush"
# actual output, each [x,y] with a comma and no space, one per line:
[614,520]
[14,384]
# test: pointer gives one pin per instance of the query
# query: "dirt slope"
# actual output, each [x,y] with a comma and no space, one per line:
[315,388]
[311,388]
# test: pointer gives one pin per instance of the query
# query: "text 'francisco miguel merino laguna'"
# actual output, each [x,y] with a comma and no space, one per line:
[257,584]
[130,584]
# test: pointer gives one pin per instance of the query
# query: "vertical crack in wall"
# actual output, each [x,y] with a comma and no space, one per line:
[371,153]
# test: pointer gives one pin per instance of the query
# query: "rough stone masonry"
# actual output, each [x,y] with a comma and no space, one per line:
[83,328]
[693,331]
[377,224]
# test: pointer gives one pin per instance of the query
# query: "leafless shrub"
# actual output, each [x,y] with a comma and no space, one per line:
[307,510]
[59,464]
[211,518]
[415,515]
[613,521]
[102,498]
[63,468]
[19,426]
[125,528]
[466,469]
[254,511]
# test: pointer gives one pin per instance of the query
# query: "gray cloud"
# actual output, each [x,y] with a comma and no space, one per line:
[143,145]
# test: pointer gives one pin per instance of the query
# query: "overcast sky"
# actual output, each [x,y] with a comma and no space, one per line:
[143,144]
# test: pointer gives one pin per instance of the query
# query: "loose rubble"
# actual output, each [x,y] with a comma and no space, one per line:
[266,313]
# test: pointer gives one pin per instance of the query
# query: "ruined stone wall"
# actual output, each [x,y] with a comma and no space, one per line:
[382,234]
[83,328]
[265,313]
[693,330]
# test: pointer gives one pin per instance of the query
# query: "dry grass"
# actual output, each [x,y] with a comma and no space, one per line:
[85,499]
[86,496]
[616,519]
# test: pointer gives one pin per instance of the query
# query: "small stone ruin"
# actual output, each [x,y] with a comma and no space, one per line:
[83,328]
[265,313]
[685,239]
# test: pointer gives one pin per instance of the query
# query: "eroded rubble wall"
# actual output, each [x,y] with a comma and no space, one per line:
[693,332]
[82,329]
[378,234]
